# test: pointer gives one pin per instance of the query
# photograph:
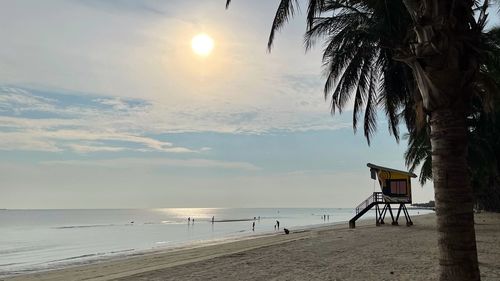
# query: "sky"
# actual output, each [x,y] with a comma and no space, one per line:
[103,104]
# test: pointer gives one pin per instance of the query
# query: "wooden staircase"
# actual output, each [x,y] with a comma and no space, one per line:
[374,199]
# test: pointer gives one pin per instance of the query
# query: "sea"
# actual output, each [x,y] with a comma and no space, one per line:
[38,240]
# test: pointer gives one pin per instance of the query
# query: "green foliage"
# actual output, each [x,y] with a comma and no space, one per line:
[419,153]
[361,43]
[484,132]
[360,39]
[483,157]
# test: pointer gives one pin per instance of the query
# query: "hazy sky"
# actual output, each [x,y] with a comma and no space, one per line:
[103,104]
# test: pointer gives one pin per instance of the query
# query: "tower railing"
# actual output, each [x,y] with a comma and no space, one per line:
[375,197]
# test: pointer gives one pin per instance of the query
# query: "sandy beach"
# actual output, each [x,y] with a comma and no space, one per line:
[326,253]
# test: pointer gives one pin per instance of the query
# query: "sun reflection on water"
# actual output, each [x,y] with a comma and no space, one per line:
[181,213]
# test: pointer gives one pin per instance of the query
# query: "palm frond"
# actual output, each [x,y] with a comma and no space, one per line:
[419,152]
[395,91]
[361,93]
[349,79]
[357,62]
[425,171]
[285,10]
[370,111]
[314,8]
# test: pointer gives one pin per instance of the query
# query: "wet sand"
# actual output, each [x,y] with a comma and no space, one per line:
[326,253]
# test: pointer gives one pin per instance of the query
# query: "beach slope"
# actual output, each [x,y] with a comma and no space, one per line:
[328,253]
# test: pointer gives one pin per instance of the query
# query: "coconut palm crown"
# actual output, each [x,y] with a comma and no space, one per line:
[422,61]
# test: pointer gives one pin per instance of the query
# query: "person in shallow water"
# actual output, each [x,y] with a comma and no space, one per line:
[278,224]
[253,226]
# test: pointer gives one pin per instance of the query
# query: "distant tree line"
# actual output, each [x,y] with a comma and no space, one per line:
[431,204]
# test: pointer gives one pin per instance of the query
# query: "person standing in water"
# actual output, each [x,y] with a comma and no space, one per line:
[189,220]
[253,226]
[213,219]
[278,224]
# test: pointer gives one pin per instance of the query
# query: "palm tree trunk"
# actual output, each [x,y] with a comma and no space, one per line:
[453,194]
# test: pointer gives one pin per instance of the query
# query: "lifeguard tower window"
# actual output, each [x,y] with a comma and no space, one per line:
[397,188]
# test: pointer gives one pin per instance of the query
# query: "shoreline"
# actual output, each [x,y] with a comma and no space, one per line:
[97,256]
[329,252]
[76,241]
[186,246]
[122,266]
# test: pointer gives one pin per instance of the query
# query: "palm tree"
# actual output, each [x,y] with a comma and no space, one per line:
[483,157]
[418,59]
[483,133]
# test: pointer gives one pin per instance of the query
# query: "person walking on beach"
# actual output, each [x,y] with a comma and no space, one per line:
[253,226]
[278,224]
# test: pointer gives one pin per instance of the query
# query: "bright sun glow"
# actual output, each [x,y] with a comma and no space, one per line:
[202,44]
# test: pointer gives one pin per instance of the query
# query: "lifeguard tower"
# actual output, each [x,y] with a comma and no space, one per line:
[396,190]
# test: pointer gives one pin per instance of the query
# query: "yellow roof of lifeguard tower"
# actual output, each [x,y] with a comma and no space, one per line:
[380,168]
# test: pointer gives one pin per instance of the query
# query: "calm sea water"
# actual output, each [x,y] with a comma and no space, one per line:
[33,240]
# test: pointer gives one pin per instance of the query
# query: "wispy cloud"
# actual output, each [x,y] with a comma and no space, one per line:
[78,123]
[25,141]
[82,148]
[78,140]
[17,100]
[125,6]
[53,121]
[157,162]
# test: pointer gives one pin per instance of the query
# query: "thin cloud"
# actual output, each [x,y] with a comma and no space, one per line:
[81,148]
[47,121]
[157,162]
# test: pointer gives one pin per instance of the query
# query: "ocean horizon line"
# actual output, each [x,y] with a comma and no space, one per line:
[159,208]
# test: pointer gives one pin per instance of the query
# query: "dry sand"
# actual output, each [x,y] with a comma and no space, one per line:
[328,253]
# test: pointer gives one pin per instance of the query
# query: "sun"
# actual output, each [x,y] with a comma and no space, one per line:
[202,44]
